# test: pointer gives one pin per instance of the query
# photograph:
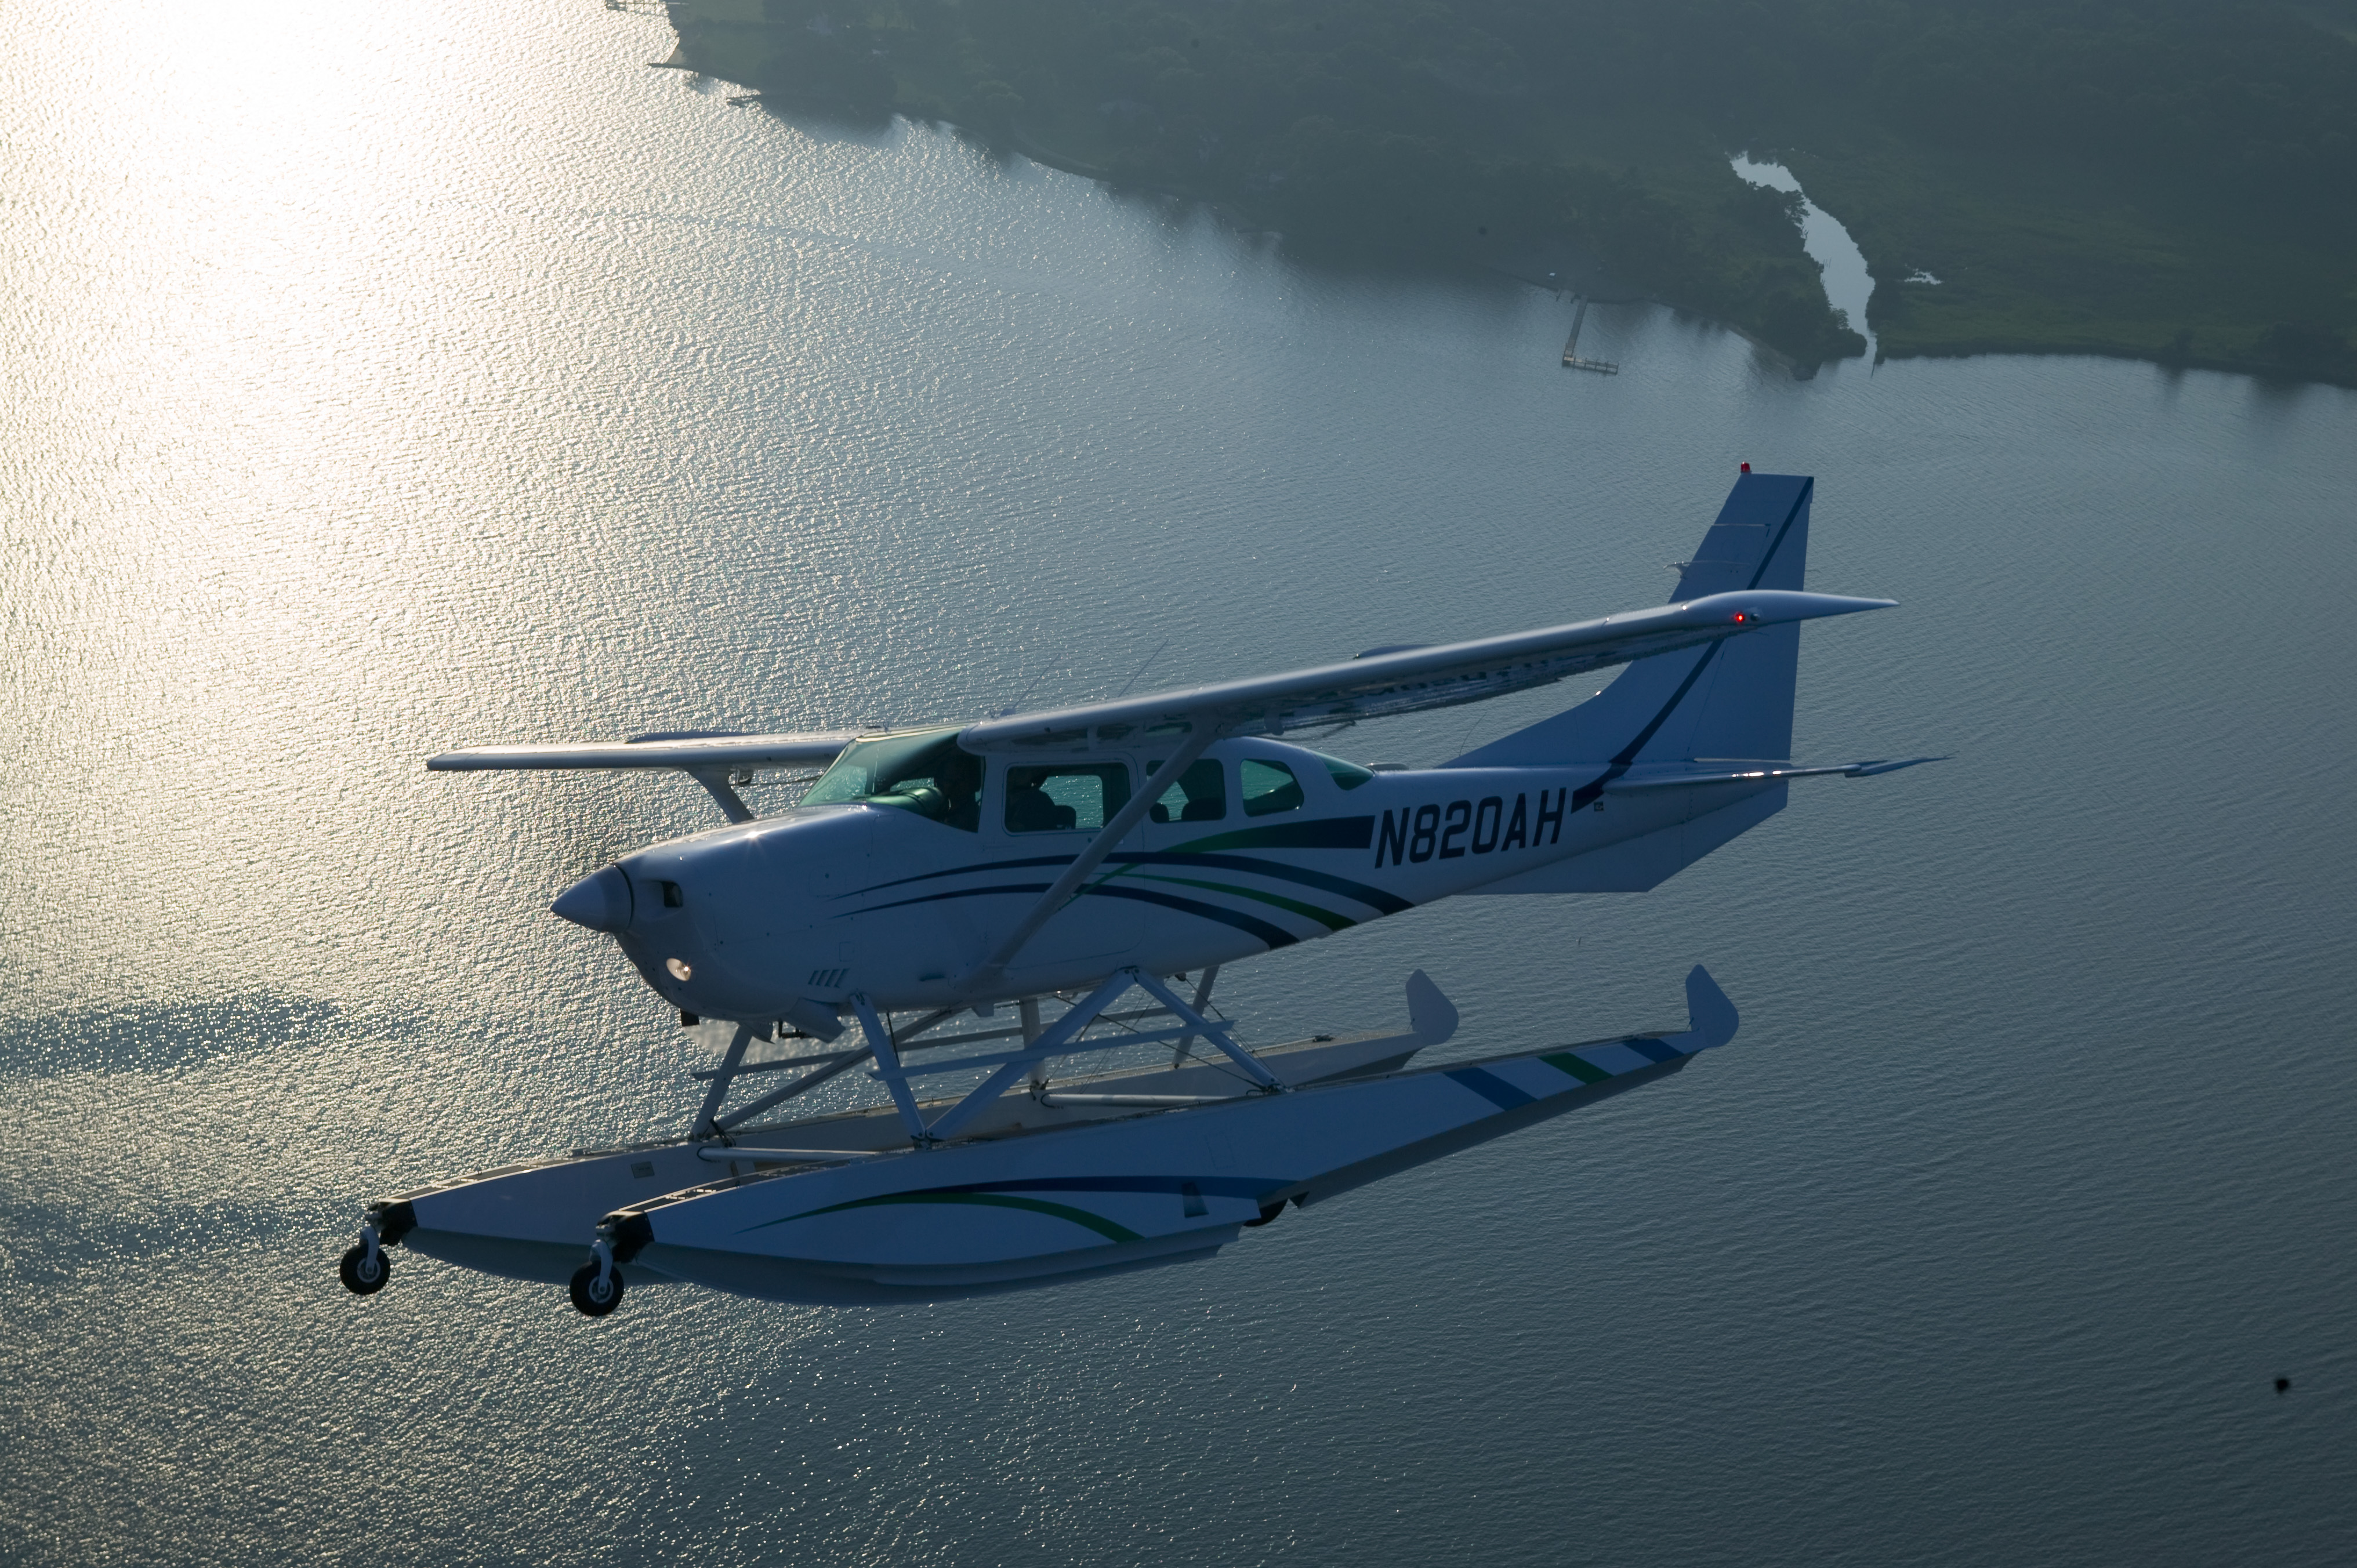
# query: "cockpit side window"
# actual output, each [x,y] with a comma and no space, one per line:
[1200,796]
[1069,797]
[927,773]
[1268,787]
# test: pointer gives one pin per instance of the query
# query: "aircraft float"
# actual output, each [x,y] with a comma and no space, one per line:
[1000,896]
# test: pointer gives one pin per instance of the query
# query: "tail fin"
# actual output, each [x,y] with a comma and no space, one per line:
[1729,699]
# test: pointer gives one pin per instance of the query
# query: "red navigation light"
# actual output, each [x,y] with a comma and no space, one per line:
[1740,617]
[1747,468]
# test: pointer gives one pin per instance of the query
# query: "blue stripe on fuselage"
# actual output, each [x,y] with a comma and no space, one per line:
[1273,936]
[1372,898]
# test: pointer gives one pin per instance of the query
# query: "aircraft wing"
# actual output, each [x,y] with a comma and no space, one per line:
[691,752]
[1409,681]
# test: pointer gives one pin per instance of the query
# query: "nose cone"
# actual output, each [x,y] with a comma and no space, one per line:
[601,901]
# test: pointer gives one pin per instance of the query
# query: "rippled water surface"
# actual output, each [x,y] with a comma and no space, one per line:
[387,377]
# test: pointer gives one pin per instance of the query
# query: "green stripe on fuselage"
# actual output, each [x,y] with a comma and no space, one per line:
[1326,917]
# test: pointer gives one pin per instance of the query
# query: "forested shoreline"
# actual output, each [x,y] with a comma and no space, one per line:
[2174,181]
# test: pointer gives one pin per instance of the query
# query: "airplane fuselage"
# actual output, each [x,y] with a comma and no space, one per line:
[826,901]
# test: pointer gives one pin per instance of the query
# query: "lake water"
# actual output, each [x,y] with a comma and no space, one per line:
[384,377]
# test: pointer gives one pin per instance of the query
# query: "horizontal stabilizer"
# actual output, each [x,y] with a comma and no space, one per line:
[1640,864]
[811,750]
[1712,772]
[1875,769]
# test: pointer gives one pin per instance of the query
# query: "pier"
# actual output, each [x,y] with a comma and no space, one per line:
[1571,346]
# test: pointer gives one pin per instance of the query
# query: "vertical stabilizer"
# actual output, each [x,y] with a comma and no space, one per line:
[1728,699]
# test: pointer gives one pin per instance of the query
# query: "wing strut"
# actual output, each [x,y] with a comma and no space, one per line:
[994,968]
[716,784]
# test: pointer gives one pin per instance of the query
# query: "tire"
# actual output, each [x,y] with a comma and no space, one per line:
[361,1283]
[593,1297]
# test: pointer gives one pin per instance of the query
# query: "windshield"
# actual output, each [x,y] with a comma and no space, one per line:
[924,772]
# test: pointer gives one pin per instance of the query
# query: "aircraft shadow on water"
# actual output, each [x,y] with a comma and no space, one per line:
[1045,868]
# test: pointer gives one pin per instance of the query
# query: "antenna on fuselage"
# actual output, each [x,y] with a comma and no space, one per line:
[1016,705]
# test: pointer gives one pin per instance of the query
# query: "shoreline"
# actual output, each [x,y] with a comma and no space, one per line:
[1016,140]
[1998,348]
[2259,371]
[1703,272]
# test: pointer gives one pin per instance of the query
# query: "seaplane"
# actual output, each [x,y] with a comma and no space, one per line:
[987,905]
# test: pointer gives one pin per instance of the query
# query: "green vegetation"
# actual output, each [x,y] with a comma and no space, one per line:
[2174,181]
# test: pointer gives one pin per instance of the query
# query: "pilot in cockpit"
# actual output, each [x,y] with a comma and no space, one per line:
[1031,809]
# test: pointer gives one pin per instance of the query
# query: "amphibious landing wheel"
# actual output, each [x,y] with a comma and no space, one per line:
[596,1289]
[364,1269]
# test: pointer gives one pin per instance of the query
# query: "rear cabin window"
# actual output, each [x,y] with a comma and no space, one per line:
[1268,788]
[1068,797]
[927,773]
[1201,795]
[1347,775]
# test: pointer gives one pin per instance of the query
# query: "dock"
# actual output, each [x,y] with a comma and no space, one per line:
[1571,346]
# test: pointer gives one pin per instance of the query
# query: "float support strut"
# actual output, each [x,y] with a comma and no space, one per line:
[1215,1033]
[707,1120]
[879,1040]
[1059,1034]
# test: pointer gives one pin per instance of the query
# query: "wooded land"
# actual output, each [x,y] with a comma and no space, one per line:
[2175,181]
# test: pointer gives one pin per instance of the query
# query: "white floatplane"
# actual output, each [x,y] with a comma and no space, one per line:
[1056,864]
